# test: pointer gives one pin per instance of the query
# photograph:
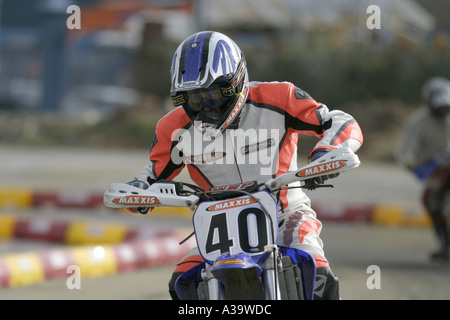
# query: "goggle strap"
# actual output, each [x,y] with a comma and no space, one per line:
[179,100]
[228,91]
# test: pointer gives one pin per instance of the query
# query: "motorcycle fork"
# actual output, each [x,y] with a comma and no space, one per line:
[215,291]
[271,267]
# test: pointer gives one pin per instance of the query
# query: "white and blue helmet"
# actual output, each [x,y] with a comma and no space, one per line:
[209,80]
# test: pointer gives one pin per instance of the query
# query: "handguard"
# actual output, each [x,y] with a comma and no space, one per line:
[122,195]
[336,161]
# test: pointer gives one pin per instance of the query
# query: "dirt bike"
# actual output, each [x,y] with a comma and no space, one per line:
[236,231]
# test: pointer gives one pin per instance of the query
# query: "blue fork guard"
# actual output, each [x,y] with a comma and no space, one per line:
[307,266]
[186,284]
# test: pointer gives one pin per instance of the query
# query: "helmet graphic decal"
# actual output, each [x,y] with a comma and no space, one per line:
[220,53]
[193,56]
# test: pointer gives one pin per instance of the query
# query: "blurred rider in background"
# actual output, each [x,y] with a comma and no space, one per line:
[216,107]
[425,150]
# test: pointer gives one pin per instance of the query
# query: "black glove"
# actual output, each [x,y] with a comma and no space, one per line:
[141,185]
[312,183]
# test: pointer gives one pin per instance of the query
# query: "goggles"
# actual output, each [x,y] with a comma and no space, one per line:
[216,96]
[213,97]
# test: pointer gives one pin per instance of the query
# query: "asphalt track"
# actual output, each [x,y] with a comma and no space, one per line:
[372,261]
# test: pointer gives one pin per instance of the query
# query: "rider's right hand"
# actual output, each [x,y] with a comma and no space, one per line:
[141,185]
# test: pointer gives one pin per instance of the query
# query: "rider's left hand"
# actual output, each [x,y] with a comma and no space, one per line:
[312,183]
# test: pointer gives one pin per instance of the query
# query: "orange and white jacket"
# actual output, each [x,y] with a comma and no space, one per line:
[261,144]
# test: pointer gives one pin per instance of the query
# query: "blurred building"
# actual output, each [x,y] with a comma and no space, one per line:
[124,47]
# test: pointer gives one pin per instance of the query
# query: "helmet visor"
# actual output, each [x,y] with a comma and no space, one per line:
[214,97]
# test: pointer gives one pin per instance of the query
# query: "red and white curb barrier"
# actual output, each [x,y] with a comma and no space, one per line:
[28,268]
[391,215]
[95,249]
[74,232]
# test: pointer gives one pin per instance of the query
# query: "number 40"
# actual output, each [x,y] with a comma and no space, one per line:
[252,231]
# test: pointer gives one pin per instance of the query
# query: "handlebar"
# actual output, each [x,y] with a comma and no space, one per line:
[165,193]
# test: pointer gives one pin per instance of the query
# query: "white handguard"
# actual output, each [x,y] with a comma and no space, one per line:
[336,161]
[122,195]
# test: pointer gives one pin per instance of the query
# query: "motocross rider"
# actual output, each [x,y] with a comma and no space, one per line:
[424,149]
[227,130]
